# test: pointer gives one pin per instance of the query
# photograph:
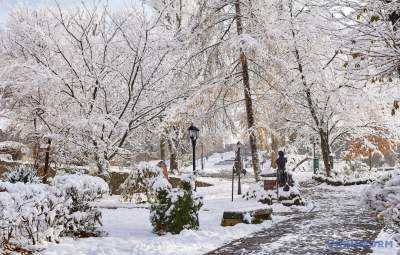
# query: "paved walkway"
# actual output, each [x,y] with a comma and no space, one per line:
[337,215]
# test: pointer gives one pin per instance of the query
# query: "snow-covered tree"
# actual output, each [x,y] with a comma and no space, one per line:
[370,37]
[97,79]
[317,96]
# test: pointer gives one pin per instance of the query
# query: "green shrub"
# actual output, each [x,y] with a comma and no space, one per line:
[175,209]
[21,173]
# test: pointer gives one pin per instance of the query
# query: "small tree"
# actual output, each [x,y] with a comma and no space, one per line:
[138,186]
[175,209]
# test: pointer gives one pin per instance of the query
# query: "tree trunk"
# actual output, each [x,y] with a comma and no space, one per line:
[47,161]
[325,151]
[247,97]
[103,170]
[162,148]
[35,154]
[36,148]
[173,162]
[370,159]
[274,153]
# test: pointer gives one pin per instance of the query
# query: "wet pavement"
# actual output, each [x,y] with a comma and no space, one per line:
[337,215]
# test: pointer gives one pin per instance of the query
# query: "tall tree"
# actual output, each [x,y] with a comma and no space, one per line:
[247,94]
[109,74]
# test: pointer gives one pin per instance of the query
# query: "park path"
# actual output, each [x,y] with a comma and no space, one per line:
[337,215]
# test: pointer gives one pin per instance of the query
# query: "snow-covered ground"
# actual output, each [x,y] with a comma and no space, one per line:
[214,164]
[130,232]
[392,247]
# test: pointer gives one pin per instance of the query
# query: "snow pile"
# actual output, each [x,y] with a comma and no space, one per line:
[256,191]
[383,195]
[31,213]
[288,192]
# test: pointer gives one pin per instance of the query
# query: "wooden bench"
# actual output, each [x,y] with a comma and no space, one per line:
[231,218]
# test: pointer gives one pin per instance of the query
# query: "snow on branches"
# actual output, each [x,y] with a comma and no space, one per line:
[92,79]
[21,173]
[31,213]
[175,209]
[140,185]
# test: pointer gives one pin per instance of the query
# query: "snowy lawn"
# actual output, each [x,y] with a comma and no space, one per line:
[130,231]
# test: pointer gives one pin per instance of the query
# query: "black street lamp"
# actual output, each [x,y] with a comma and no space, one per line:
[314,141]
[194,135]
[240,170]
[202,156]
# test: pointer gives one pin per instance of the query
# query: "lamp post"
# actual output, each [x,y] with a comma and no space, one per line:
[314,141]
[202,156]
[194,134]
[240,168]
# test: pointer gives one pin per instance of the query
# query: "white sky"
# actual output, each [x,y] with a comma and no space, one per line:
[7,5]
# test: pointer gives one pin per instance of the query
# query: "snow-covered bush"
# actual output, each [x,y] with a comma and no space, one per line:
[348,173]
[138,186]
[256,191]
[82,190]
[31,213]
[175,209]
[21,173]
[161,205]
[352,167]
[383,195]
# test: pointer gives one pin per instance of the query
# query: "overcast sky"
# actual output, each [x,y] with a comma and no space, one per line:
[7,5]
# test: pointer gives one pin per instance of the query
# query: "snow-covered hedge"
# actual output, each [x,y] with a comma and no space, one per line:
[82,190]
[348,173]
[175,209]
[383,195]
[138,186]
[345,180]
[91,187]
[31,213]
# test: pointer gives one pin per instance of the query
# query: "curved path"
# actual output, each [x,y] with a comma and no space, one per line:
[337,215]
